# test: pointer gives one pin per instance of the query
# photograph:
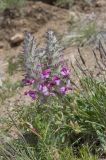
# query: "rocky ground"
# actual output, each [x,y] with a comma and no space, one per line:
[37,18]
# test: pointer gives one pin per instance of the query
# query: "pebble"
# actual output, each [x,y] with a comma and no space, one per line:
[16,39]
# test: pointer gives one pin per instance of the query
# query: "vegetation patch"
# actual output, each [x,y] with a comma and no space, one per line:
[4,4]
[64,121]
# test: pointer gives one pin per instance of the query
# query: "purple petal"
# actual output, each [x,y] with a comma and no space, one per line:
[44,89]
[32,94]
[56,80]
[62,90]
[46,73]
[28,81]
[65,90]
[65,71]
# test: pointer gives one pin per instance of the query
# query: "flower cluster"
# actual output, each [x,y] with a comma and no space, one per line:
[49,84]
[46,76]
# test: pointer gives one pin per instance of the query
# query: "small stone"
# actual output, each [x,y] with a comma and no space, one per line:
[16,39]
[1,45]
[74,16]
[101,3]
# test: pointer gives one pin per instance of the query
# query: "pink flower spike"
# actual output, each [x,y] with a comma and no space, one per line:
[46,73]
[65,71]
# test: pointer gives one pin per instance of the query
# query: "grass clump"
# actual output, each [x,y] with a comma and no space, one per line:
[11,4]
[14,65]
[70,3]
[64,3]
[90,111]
[8,90]
[22,151]
[76,122]
[82,35]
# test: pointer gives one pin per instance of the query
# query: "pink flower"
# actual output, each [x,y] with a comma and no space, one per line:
[65,71]
[28,81]
[32,94]
[64,90]
[43,88]
[56,80]
[50,85]
[45,73]
[52,94]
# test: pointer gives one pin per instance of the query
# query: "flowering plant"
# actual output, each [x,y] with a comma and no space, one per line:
[47,71]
